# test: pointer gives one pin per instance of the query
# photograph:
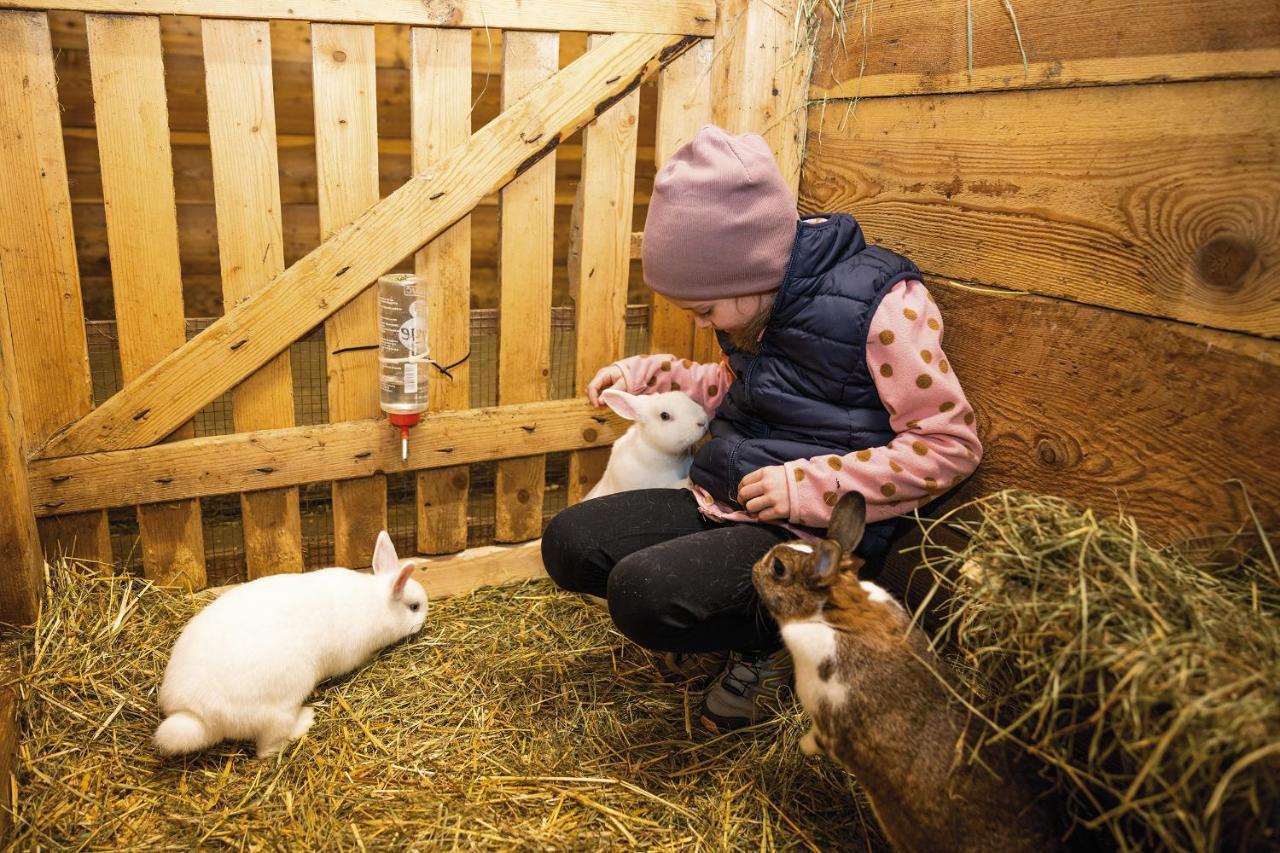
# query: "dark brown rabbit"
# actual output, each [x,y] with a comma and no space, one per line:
[875,692]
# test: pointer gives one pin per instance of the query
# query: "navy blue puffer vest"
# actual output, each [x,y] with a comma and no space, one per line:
[808,391]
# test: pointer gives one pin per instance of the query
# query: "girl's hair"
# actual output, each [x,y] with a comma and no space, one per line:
[747,338]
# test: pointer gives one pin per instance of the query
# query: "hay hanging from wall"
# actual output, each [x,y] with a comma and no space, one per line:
[1149,682]
[517,718]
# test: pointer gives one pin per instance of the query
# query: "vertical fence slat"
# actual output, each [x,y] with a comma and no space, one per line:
[684,105]
[38,263]
[246,189]
[142,236]
[21,567]
[346,101]
[525,231]
[603,258]
[440,92]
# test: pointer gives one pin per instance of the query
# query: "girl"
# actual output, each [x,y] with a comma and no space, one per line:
[833,380]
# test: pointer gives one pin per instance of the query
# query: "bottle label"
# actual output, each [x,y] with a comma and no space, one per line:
[411,378]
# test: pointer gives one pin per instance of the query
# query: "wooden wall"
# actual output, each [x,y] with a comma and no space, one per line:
[295,124]
[1101,227]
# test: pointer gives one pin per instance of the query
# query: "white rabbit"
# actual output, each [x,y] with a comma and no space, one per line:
[654,451]
[244,665]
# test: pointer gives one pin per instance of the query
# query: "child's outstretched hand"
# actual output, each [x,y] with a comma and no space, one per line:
[763,493]
[609,376]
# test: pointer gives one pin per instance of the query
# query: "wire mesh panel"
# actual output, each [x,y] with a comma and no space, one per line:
[223,532]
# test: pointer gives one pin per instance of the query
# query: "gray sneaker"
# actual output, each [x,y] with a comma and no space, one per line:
[749,691]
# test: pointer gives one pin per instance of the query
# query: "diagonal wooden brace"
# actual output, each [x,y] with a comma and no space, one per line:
[155,403]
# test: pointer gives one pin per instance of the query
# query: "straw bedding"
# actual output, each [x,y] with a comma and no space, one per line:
[517,719]
[1147,680]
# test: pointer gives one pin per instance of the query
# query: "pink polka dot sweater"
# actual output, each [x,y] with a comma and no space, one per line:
[936,445]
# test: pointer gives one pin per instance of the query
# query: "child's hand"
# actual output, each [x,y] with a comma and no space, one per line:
[607,377]
[763,493]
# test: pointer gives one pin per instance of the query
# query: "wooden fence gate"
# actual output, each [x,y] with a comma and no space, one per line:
[739,63]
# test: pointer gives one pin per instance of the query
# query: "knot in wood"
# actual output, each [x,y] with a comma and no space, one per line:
[1225,262]
[590,434]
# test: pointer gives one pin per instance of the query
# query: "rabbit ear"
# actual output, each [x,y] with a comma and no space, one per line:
[848,521]
[406,572]
[626,405]
[826,562]
[385,558]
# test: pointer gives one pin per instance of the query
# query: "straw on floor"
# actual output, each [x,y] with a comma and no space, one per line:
[518,718]
[1146,679]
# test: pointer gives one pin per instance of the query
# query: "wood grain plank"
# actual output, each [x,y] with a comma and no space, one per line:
[693,17]
[142,234]
[1116,411]
[604,260]
[347,172]
[38,264]
[525,234]
[259,328]
[1153,199]
[896,47]
[10,708]
[475,568]
[21,562]
[684,106]
[251,250]
[441,122]
[217,465]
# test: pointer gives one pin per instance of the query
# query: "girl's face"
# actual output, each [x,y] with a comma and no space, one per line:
[726,315]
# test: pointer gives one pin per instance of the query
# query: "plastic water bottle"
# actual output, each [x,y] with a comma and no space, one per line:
[402,352]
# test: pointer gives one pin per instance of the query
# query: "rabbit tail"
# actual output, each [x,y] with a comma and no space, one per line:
[183,732]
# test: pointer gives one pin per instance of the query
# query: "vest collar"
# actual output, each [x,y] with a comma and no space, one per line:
[817,249]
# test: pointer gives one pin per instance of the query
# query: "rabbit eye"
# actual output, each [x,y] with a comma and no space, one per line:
[414,607]
[779,568]
[666,416]
[828,605]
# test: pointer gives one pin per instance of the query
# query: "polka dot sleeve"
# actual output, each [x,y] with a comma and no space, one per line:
[936,444]
[653,374]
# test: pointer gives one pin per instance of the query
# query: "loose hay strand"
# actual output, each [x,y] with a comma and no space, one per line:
[517,718]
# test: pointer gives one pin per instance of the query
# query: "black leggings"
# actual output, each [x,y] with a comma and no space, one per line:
[675,580]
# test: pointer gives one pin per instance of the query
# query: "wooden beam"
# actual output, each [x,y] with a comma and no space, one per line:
[908,48]
[10,705]
[684,106]
[603,262]
[264,324]
[224,464]
[475,568]
[441,120]
[142,234]
[38,264]
[347,172]
[1159,201]
[21,564]
[526,229]
[246,190]
[683,17]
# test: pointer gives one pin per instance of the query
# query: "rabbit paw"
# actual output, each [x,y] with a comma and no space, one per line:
[809,743]
[306,716]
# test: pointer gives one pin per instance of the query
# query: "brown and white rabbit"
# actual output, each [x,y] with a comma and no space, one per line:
[875,693]
[243,666]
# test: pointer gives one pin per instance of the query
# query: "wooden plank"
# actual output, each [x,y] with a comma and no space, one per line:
[441,102]
[316,286]
[142,233]
[217,465]
[684,105]
[38,263]
[525,233]
[760,77]
[1113,410]
[10,707]
[897,47]
[1155,199]
[604,259]
[347,172]
[693,17]
[21,563]
[475,568]
[246,188]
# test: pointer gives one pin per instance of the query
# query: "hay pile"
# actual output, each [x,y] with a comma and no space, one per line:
[518,718]
[1147,681]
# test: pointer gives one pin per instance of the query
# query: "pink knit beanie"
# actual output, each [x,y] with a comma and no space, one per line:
[721,220]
